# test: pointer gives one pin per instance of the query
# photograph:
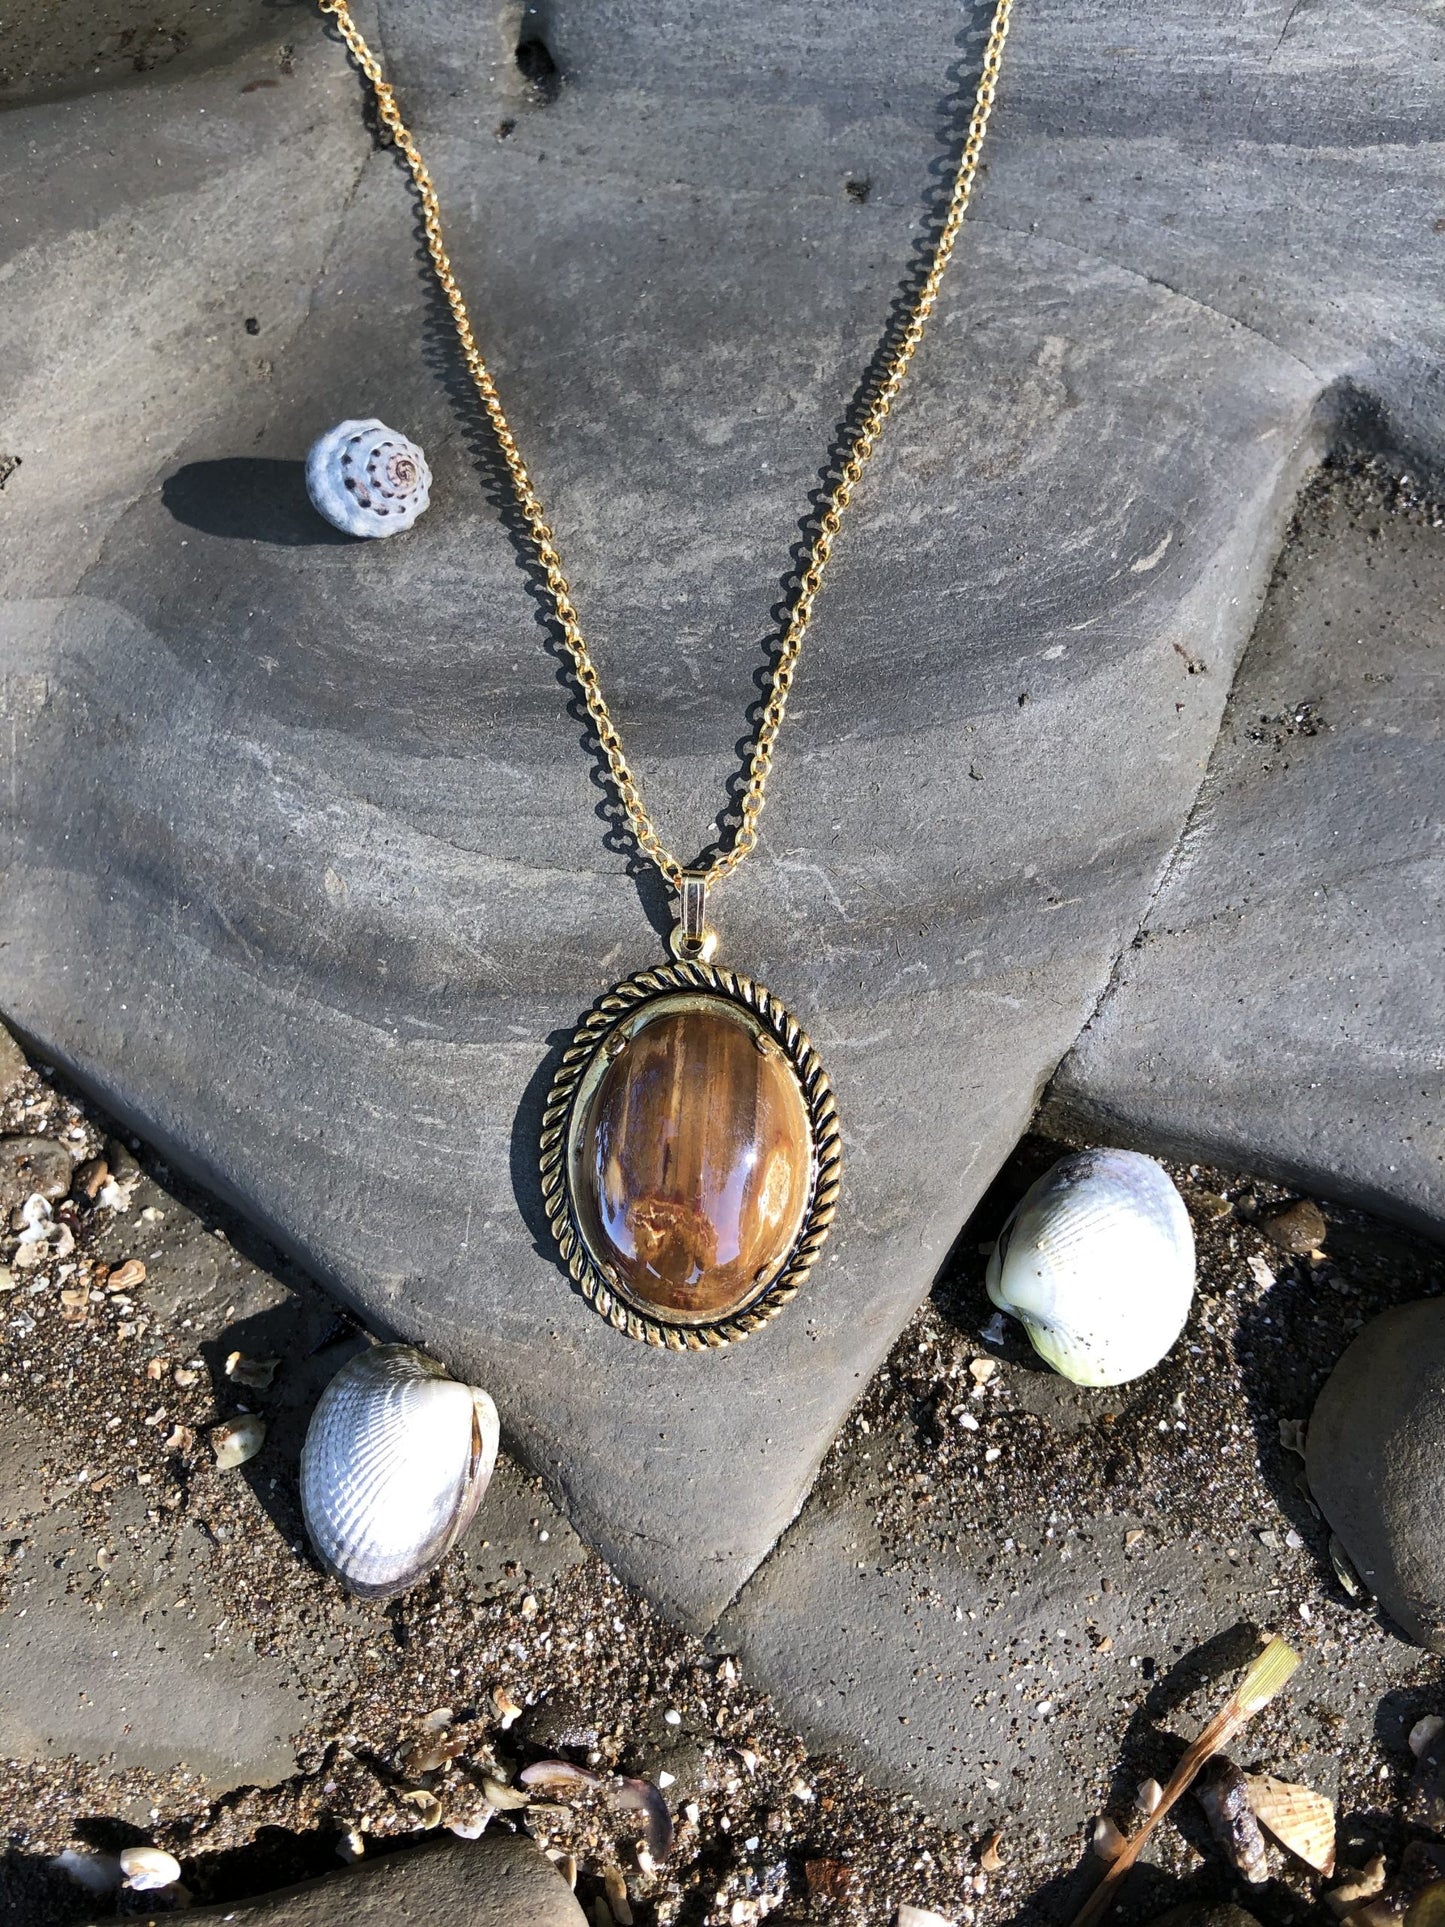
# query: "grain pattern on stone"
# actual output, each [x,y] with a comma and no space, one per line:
[303,864]
[692,1160]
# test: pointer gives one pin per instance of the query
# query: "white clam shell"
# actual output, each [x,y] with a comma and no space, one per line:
[1097,1264]
[396,1460]
[366,479]
[148,1869]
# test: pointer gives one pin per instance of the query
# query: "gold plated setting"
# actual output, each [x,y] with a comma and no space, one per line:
[696,1098]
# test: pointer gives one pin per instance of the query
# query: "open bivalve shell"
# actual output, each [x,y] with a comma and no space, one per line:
[1302,1820]
[396,1460]
[1097,1264]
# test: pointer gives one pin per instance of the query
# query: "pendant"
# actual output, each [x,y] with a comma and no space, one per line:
[690,1149]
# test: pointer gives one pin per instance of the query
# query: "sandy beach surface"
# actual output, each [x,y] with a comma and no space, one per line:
[179,1671]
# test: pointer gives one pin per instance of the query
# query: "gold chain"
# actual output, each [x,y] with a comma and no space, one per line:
[859,447]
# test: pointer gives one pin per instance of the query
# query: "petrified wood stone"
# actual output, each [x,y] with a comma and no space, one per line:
[692,1158]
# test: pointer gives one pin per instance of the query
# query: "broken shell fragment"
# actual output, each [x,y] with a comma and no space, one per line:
[366,479]
[237,1440]
[473,1826]
[1224,1796]
[90,1176]
[1107,1841]
[1302,1820]
[147,1869]
[641,1796]
[257,1373]
[43,1236]
[396,1459]
[558,1779]
[508,1710]
[566,1865]
[1356,1887]
[1097,1264]
[440,1742]
[427,1805]
[502,1798]
[615,1888]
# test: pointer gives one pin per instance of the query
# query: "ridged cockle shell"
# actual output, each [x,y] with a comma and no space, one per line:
[396,1460]
[366,479]
[1097,1264]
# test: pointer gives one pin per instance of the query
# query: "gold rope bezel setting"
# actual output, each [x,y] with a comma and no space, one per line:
[620,1002]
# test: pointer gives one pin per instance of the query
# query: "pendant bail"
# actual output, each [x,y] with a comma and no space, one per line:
[690,940]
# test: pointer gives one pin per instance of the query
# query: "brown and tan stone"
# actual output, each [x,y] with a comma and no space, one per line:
[692,1158]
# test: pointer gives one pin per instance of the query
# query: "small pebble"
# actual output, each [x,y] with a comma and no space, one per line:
[1299,1229]
[31,1167]
[237,1440]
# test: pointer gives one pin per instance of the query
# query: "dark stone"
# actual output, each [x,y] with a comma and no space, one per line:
[1299,1229]
[1206,1913]
[1281,1008]
[501,1880]
[692,1165]
[1375,1459]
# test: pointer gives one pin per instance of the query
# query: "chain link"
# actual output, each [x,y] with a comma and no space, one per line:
[859,447]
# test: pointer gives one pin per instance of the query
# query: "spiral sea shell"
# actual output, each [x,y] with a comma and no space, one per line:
[396,1460]
[366,479]
[1097,1263]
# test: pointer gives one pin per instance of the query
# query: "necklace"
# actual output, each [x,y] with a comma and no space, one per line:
[690,1149]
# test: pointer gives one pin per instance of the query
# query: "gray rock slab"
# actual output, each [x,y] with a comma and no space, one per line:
[1013,1600]
[497,1881]
[307,868]
[1377,1463]
[145,1679]
[1282,1007]
[995,1684]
